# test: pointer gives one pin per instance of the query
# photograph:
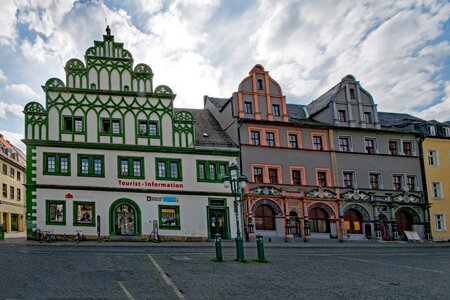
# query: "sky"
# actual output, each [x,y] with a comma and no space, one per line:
[398,50]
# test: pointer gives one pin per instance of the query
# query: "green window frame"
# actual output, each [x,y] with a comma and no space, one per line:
[91,165]
[111,126]
[148,128]
[168,169]
[211,171]
[73,124]
[127,167]
[56,164]
[55,212]
[84,213]
[169,217]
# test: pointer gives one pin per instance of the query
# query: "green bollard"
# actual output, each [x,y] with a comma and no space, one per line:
[218,247]
[2,233]
[260,247]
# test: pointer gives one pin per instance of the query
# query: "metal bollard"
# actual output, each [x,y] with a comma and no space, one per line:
[218,247]
[260,247]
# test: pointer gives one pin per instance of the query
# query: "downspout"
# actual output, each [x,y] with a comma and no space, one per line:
[425,191]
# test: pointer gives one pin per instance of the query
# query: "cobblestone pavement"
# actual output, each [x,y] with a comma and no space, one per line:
[185,271]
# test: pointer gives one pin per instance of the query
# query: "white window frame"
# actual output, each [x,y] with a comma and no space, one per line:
[375,144]
[435,155]
[350,143]
[431,130]
[402,181]
[353,174]
[440,221]
[446,131]
[413,147]
[438,189]
[380,179]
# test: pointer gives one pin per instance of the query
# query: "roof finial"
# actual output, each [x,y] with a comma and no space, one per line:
[108,30]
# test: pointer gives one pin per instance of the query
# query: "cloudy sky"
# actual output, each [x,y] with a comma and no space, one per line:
[398,50]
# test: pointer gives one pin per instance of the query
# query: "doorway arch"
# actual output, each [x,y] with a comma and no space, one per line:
[319,220]
[125,218]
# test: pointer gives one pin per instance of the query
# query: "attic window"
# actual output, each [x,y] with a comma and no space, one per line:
[260,85]
[431,130]
[352,94]
[205,134]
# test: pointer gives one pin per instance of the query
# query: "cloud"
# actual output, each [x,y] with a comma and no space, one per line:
[2,76]
[8,31]
[14,138]
[14,109]
[22,90]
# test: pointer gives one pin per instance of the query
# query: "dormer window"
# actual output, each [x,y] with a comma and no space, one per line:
[260,85]
[368,117]
[352,94]
[276,110]
[431,130]
[446,131]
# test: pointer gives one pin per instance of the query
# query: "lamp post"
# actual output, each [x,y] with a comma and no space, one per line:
[237,184]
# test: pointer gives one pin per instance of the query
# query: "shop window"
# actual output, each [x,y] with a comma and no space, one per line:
[131,167]
[55,212]
[168,169]
[83,213]
[169,217]
[211,171]
[111,126]
[264,218]
[353,220]
[276,110]
[248,107]
[91,165]
[57,164]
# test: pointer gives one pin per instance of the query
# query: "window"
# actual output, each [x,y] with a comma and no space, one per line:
[369,145]
[56,164]
[432,158]
[353,220]
[446,131]
[5,190]
[258,174]
[78,124]
[169,217]
[407,148]
[111,126]
[91,165]
[270,139]
[148,128]
[322,178]
[436,190]
[93,86]
[255,137]
[260,85]
[319,220]
[12,172]
[11,192]
[73,124]
[276,110]
[342,116]
[55,212]
[411,182]
[317,142]
[19,194]
[168,169]
[19,176]
[393,147]
[431,130]
[83,213]
[348,179]
[264,218]
[397,182]
[293,140]
[212,171]
[296,176]
[273,175]
[352,94]
[5,169]
[374,180]
[440,222]
[344,144]
[130,167]
[368,117]
[248,107]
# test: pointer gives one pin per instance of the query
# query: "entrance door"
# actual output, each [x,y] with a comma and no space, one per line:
[404,221]
[125,220]
[383,228]
[295,223]
[217,222]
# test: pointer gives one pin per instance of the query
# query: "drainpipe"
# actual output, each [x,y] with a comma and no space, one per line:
[425,191]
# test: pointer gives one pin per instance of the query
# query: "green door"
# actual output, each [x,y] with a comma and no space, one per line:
[218,222]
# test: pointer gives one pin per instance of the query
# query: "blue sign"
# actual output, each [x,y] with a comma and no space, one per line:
[170,199]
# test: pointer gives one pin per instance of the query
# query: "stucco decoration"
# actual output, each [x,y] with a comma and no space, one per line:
[266,191]
[267,202]
[54,82]
[163,90]
[34,108]
[321,193]
[143,69]
[408,198]
[323,206]
[362,210]
[356,195]
[75,64]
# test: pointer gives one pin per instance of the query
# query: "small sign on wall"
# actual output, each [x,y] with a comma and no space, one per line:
[163,199]
[153,198]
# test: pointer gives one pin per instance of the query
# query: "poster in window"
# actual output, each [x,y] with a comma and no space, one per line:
[357,225]
[169,218]
[56,212]
[84,213]
[347,225]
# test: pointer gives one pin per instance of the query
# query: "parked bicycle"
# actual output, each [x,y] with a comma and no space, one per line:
[77,237]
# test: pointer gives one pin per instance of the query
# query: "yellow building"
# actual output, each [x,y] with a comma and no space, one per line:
[12,196]
[436,150]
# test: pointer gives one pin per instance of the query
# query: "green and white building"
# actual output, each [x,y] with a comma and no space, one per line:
[109,151]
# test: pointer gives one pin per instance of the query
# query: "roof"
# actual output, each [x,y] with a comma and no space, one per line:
[10,152]
[398,121]
[323,101]
[219,102]
[208,132]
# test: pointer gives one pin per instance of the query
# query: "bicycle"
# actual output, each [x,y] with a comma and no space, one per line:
[77,237]
[50,236]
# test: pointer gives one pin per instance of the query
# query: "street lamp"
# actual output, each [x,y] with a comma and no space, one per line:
[237,184]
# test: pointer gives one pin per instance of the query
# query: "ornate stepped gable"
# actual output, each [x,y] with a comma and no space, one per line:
[107,87]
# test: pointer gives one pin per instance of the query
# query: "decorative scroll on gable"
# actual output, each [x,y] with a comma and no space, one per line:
[356,195]
[321,193]
[266,191]
[406,198]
